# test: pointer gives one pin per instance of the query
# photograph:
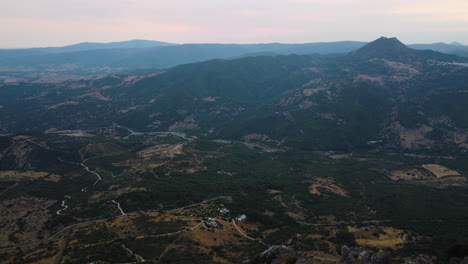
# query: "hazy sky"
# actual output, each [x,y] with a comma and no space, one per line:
[27,23]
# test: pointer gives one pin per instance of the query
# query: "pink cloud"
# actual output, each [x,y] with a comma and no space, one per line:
[249,12]
[91,24]
[275,31]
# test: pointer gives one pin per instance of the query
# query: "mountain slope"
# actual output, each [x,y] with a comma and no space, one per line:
[138,55]
[94,58]
[309,102]
[390,48]
[129,44]
[393,49]
[454,48]
[83,46]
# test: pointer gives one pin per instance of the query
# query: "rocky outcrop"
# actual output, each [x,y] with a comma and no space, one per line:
[358,255]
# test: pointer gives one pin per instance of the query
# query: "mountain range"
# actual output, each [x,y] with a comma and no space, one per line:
[384,90]
[143,55]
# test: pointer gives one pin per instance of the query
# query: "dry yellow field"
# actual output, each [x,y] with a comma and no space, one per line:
[218,237]
[380,243]
[163,150]
[454,181]
[440,171]
[388,237]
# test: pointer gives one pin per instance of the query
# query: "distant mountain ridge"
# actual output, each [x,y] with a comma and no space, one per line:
[136,55]
[129,44]
[114,60]
[455,43]
[282,48]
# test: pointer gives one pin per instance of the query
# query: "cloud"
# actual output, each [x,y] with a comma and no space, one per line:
[275,31]
[248,12]
[449,10]
[125,24]
[28,22]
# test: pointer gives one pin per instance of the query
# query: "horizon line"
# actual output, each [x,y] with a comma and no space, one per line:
[219,43]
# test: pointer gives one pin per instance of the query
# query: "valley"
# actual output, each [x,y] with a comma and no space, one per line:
[305,158]
[126,194]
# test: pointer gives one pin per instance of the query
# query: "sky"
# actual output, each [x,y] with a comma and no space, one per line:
[40,23]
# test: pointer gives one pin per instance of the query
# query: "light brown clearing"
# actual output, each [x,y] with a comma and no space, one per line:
[461,138]
[55,106]
[113,192]
[16,69]
[262,147]
[314,69]
[128,109]
[70,133]
[77,85]
[409,69]
[312,82]
[307,104]
[183,126]
[227,173]
[210,99]
[250,137]
[329,116]
[103,149]
[11,80]
[287,101]
[387,237]
[32,175]
[163,150]
[297,216]
[326,185]
[378,78]
[60,78]
[216,237]
[413,138]
[96,95]
[312,91]
[79,134]
[431,174]
[273,191]
[131,78]
[340,156]
[454,181]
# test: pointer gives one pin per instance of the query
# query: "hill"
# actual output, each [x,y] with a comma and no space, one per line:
[143,56]
[129,44]
[298,100]
[98,58]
